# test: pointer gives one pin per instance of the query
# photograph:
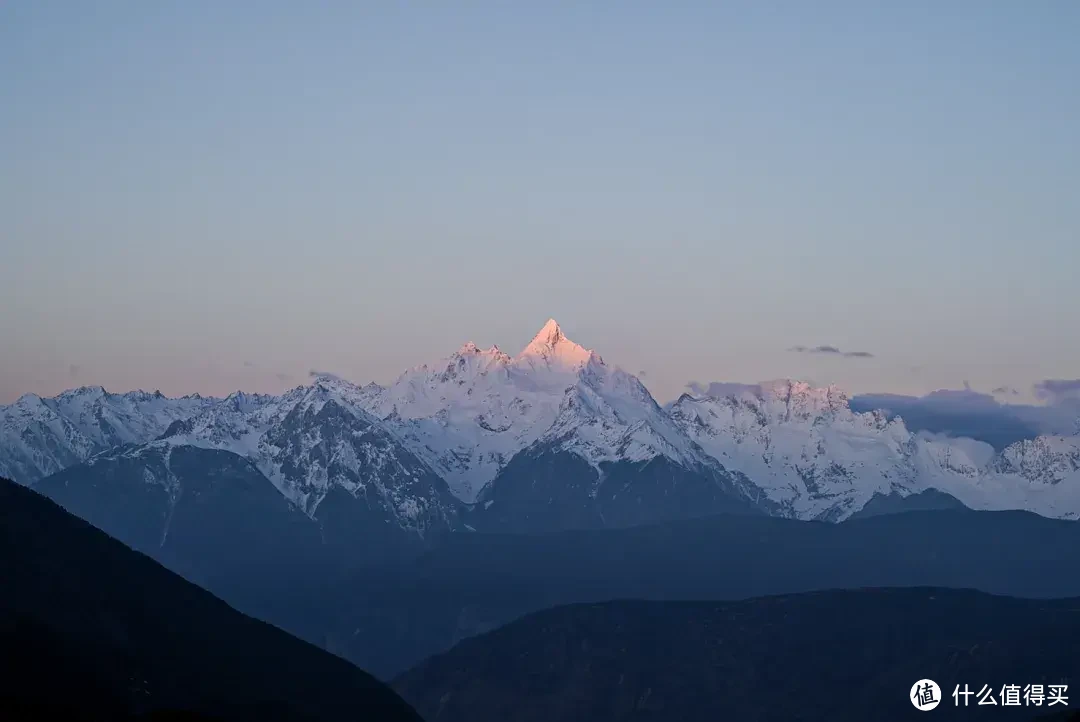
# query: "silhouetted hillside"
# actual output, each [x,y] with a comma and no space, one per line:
[95,631]
[829,656]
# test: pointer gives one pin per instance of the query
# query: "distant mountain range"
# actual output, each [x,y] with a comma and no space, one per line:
[40,436]
[817,459]
[552,438]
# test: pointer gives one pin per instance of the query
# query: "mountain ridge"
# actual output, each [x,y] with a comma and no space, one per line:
[817,458]
[783,446]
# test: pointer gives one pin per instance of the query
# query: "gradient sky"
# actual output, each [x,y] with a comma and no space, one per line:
[203,196]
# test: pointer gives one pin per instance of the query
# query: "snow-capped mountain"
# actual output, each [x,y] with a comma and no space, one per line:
[1047,460]
[608,415]
[468,414]
[1040,474]
[315,443]
[41,436]
[802,446]
[471,413]
[366,496]
[551,437]
[114,419]
[817,459]
[555,405]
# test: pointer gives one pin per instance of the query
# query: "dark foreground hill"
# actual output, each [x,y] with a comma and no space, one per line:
[92,630]
[217,522]
[391,619]
[830,656]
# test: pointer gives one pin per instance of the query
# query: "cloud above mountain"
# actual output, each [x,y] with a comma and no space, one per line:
[977,415]
[959,413]
[831,350]
[1057,391]
[316,374]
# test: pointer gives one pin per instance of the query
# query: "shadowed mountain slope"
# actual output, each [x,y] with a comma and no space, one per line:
[93,630]
[830,656]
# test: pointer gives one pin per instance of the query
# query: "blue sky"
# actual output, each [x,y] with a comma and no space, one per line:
[201,196]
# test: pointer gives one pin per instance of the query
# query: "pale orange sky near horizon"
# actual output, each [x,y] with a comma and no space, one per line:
[218,376]
[202,196]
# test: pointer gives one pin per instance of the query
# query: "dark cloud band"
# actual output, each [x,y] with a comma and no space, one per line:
[959,413]
[831,350]
[315,374]
[1057,390]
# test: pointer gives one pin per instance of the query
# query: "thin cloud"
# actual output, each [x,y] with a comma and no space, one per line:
[1056,391]
[73,370]
[1005,391]
[249,364]
[831,350]
[283,377]
[315,374]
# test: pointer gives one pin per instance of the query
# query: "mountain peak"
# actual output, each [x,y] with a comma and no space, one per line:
[550,334]
[29,399]
[91,392]
[830,395]
[551,346]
